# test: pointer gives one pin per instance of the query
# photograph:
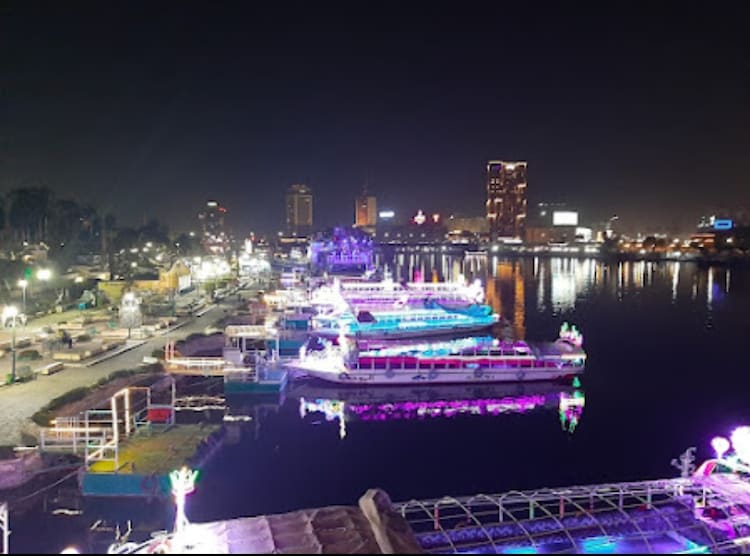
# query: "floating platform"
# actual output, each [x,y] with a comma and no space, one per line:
[145,461]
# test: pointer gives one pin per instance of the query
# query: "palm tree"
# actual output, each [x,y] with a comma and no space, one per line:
[28,212]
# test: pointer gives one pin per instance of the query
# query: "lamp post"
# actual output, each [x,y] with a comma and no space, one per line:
[130,312]
[9,312]
[23,284]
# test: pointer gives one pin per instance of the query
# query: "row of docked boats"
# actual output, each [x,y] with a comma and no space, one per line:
[384,332]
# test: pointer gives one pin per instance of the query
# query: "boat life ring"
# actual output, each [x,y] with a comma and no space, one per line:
[478,373]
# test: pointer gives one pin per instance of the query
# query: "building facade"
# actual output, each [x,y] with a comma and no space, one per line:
[214,235]
[506,198]
[299,210]
[366,212]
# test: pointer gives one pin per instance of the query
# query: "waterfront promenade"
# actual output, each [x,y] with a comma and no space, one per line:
[20,401]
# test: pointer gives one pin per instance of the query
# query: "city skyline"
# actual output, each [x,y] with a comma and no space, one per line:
[642,117]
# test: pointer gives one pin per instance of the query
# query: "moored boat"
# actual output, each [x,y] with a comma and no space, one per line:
[468,360]
[406,323]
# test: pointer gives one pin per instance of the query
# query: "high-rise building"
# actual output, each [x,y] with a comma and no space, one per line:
[365,211]
[299,210]
[213,232]
[506,198]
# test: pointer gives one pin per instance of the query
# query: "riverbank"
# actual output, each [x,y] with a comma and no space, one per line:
[18,402]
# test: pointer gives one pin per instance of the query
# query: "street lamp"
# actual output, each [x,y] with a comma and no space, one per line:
[23,284]
[11,312]
[130,312]
[44,274]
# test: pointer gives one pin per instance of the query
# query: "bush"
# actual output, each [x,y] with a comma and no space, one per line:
[69,397]
[29,355]
[122,373]
[44,415]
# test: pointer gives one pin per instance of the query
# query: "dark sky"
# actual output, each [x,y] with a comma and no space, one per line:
[149,108]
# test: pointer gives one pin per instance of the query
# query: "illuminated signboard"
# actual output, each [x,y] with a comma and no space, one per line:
[386,214]
[564,218]
[723,224]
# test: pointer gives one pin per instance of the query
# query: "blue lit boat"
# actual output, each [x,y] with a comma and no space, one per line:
[408,323]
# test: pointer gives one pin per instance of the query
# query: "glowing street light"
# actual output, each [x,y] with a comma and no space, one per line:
[44,274]
[11,312]
[130,312]
[23,284]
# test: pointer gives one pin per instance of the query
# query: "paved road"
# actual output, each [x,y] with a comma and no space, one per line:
[20,401]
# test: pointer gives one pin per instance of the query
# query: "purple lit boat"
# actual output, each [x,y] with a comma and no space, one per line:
[474,360]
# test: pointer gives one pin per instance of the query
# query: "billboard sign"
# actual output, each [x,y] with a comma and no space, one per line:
[564,218]
[725,224]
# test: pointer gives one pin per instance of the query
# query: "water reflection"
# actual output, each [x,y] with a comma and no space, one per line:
[380,404]
[557,284]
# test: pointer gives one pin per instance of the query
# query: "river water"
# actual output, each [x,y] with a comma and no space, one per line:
[666,370]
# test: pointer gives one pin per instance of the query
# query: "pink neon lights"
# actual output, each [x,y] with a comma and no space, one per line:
[420,410]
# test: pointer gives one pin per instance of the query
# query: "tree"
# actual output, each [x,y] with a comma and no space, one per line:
[649,243]
[188,245]
[28,212]
[64,222]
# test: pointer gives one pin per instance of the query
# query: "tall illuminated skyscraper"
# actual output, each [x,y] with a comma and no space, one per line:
[366,211]
[506,198]
[214,236]
[299,210]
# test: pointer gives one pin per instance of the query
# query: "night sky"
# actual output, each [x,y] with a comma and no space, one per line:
[149,108]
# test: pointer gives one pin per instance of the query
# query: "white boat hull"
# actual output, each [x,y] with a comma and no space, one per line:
[437,376]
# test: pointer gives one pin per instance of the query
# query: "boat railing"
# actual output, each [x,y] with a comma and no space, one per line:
[194,363]
[241,374]
[454,362]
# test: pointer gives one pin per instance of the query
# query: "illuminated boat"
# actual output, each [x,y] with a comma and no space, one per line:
[469,360]
[388,295]
[406,323]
